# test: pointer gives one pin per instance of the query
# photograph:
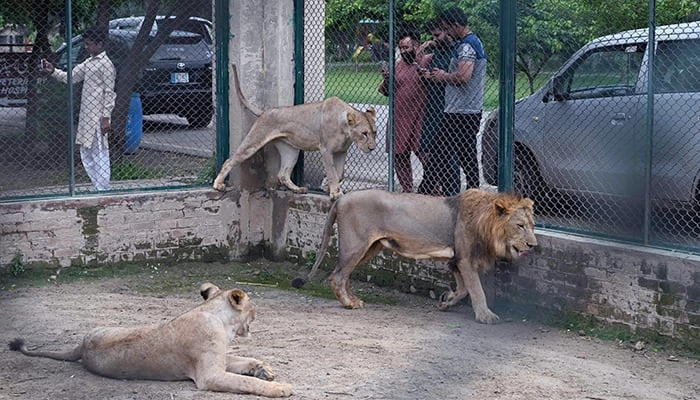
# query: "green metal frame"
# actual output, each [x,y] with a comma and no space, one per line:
[298,172]
[223,36]
[506,96]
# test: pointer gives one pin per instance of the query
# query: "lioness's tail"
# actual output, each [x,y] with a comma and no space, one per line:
[327,231]
[255,110]
[71,355]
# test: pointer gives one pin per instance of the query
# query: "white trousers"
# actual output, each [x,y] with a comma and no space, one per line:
[96,163]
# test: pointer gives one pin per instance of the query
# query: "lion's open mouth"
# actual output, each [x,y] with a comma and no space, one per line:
[519,252]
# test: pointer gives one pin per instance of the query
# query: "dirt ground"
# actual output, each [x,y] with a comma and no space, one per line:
[408,350]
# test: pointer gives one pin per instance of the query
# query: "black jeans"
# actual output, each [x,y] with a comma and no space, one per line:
[457,140]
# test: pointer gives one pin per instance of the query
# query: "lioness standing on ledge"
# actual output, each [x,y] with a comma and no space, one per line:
[192,346]
[469,230]
[329,126]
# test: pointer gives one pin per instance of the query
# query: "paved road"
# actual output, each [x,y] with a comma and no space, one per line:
[171,133]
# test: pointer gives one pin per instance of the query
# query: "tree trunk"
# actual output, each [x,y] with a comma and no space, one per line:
[41,49]
[131,72]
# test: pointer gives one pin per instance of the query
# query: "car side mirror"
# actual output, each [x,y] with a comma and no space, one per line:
[554,93]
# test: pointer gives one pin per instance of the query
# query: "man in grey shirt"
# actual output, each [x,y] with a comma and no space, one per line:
[464,100]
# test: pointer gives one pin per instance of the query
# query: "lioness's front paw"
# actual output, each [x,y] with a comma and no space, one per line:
[220,186]
[263,371]
[486,316]
[281,390]
[335,194]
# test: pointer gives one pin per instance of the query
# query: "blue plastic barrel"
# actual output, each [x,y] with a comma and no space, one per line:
[134,124]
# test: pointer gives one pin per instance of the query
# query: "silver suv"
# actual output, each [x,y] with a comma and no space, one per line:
[585,131]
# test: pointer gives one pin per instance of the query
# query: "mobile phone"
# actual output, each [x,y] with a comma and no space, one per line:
[385,66]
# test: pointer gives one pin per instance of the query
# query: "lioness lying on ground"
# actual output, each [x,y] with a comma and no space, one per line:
[329,126]
[470,230]
[192,346]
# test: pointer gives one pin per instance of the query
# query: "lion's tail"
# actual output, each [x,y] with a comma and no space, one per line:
[327,231]
[71,355]
[253,109]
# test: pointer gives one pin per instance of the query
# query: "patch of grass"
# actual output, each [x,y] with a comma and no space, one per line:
[208,173]
[358,83]
[163,278]
[17,264]
[355,83]
[623,334]
[124,170]
[591,327]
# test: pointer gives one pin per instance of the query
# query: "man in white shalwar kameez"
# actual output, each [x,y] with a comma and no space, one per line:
[97,102]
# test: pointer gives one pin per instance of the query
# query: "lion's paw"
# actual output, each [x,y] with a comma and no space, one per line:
[264,371]
[446,300]
[357,303]
[486,316]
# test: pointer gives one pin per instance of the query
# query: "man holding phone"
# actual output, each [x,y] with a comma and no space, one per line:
[409,106]
[464,100]
[96,104]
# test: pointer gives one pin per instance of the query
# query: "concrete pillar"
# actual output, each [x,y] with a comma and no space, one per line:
[262,47]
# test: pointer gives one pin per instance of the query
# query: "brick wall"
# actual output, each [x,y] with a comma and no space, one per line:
[636,287]
[196,224]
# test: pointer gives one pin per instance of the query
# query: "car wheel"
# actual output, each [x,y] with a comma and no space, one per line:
[526,178]
[199,118]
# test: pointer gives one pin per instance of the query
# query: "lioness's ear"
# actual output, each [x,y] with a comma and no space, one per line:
[352,118]
[236,297]
[501,207]
[371,112]
[207,290]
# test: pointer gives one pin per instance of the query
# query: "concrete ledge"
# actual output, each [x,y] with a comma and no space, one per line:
[176,225]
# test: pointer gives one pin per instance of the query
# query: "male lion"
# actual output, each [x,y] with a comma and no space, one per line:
[329,126]
[191,346]
[469,230]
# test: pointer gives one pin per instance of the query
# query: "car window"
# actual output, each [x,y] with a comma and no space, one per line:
[605,72]
[193,26]
[677,66]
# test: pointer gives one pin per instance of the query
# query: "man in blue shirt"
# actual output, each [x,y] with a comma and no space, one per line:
[464,100]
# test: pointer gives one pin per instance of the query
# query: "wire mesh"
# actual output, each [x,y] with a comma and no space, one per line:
[597,153]
[140,115]
[589,147]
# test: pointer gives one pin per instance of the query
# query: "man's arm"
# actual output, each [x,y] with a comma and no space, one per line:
[460,76]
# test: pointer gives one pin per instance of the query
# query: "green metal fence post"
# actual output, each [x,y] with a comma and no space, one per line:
[71,105]
[223,35]
[390,116]
[506,96]
[651,49]
[298,173]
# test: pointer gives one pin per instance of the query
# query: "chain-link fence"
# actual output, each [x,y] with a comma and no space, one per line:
[138,115]
[598,153]
[582,144]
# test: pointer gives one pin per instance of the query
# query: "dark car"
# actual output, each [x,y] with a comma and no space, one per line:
[177,79]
